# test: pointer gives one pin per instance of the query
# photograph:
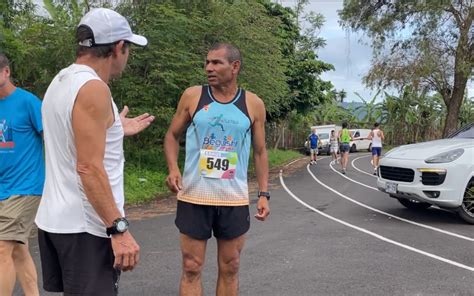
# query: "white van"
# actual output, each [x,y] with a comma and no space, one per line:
[361,141]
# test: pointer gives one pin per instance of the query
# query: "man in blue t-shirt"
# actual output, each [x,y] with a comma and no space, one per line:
[21,181]
[313,145]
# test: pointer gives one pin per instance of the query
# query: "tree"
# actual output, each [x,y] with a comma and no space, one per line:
[420,43]
[306,89]
[371,111]
[342,94]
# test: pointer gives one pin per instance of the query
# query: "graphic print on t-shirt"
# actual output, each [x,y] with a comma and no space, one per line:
[6,136]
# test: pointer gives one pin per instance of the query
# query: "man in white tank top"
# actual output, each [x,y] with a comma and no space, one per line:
[83,237]
[377,137]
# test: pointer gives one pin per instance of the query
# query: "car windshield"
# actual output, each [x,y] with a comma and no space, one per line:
[464,133]
[324,136]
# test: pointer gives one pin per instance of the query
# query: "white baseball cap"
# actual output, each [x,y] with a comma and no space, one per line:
[108,27]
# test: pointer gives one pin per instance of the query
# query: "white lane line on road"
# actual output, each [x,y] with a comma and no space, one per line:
[298,159]
[364,172]
[357,182]
[380,237]
[382,212]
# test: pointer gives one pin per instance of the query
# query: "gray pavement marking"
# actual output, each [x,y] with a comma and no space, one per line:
[380,237]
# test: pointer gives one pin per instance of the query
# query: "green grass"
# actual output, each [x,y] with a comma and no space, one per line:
[145,175]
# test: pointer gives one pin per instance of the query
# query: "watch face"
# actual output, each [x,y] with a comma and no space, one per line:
[122,226]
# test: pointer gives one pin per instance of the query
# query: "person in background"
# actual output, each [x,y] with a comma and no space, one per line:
[377,137]
[313,146]
[21,181]
[345,137]
[334,146]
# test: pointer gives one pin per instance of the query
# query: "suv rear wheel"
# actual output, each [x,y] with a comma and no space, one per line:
[466,210]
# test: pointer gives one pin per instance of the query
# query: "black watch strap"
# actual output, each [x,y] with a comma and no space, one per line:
[120,225]
[264,193]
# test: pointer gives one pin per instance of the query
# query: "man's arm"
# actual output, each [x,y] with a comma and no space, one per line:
[260,153]
[371,135]
[179,122]
[382,136]
[91,117]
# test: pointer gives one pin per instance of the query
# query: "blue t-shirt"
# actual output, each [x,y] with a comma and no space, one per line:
[21,145]
[313,139]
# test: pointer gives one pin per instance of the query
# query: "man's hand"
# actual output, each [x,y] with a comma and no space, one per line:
[173,181]
[132,126]
[263,209]
[126,251]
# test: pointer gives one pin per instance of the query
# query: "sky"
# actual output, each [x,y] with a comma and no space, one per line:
[349,52]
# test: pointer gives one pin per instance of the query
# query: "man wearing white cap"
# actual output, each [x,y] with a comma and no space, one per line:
[83,235]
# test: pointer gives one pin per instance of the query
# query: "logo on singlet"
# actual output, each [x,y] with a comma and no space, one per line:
[6,135]
[216,121]
[227,143]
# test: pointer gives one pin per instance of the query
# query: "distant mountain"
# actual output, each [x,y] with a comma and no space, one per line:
[353,106]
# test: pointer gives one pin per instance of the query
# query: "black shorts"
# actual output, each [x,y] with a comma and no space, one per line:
[199,221]
[78,264]
[345,147]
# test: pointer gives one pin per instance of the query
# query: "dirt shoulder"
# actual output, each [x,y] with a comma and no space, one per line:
[166,204]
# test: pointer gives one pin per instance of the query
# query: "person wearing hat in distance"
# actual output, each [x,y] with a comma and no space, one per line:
[83,236]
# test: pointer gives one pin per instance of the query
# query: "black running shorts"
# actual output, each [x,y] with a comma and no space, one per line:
[78,264]
[200,221]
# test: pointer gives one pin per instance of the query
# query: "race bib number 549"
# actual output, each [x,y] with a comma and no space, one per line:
[217,164]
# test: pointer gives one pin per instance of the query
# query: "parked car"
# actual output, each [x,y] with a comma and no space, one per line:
[360,141]
[438,173]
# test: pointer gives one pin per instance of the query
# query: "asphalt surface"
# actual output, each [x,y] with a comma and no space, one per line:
[332,237]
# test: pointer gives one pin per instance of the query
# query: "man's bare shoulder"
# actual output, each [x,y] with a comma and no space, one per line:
[94,92]
[254,100]
[192,91]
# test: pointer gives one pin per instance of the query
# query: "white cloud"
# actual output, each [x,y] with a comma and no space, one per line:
[350,57]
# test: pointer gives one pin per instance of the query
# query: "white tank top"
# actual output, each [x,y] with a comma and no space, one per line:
[376,139]
[64,207]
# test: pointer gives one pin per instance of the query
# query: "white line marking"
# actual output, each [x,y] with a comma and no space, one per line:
[380,237]
[382,212]
[364,172]
[294,161]
[357,182]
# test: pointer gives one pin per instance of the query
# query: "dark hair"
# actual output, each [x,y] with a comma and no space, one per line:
[99,51]
[233,53]
[332,131]
[376,124]
[4,61]
[344,125]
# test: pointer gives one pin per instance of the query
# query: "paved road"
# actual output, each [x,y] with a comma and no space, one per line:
[327,235]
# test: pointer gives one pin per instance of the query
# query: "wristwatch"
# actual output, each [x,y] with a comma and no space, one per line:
[264,193]
[120,225]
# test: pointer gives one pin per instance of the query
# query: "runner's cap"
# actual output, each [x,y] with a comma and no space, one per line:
[108,27]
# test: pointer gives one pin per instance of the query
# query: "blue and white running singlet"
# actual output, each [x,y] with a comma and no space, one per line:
[217,152]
